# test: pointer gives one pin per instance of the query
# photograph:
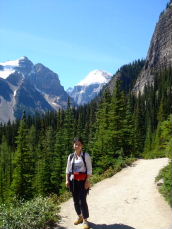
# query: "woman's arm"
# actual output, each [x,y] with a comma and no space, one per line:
[67,180]
[67,172]
[89,171]
[88,164]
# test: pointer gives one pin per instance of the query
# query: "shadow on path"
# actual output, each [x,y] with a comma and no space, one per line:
[104,226]
[111,226]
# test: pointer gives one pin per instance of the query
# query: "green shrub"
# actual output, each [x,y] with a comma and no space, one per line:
[34,214]
[64,196]
[118,165]
[155,154]
[166,188]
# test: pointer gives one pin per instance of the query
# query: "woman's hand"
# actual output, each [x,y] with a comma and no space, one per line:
[67,184]
[67,180]
[87,184]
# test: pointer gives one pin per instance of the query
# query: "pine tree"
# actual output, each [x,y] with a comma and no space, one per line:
[118,120]
[5,169]
[68,132]
[40,166]
[45,164]
[139,127]
[148,140]
[101,151]
[90,126]
[129,129]
[57,176]
[23,165]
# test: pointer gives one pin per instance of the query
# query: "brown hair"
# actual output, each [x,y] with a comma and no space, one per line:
[78,139]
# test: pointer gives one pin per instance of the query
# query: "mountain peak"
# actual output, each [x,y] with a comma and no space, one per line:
[9,67]
[25,86]
[14,63]
[94,77]
[23,58]
[24,61]
[89,87]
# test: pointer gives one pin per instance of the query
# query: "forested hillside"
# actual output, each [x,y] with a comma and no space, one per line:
[33,151]
[117,128]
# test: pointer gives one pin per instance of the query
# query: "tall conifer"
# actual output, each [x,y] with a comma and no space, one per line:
[23,165]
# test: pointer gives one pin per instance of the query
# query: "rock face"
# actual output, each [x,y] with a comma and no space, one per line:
[89,87]
[160,51]
[127,74]
[30,88]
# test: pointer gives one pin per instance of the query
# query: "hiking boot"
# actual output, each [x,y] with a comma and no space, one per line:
[85,225]
[79,220]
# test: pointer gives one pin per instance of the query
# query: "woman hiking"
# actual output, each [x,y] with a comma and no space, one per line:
[78,172]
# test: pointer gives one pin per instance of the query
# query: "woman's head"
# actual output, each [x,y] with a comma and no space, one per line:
[78,143]
[78,139]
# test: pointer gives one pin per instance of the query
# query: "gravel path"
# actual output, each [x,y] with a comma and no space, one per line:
[127,200]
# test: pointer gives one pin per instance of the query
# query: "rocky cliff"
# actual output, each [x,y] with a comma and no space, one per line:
[127,74]
[160,51]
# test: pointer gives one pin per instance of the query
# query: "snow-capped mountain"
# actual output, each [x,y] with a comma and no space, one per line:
[7,68]
[28,87]
[23,65]
[89,87]
[94,77]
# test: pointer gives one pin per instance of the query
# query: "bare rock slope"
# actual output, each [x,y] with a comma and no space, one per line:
[160,51]
[127,200]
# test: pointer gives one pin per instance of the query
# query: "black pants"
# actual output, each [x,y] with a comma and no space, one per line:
[79,194]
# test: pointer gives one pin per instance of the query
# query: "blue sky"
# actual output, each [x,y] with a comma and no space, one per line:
[74,37]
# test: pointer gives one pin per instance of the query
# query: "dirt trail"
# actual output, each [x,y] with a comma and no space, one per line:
[127,200]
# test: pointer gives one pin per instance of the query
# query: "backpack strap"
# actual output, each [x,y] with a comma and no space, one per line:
[72,156]
[83,157]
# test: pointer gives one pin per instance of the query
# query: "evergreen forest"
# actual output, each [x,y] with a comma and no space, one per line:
[117,126]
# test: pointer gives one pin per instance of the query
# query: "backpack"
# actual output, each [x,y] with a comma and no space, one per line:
[83,158]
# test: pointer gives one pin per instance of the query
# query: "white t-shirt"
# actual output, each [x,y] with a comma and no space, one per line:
[79,165]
